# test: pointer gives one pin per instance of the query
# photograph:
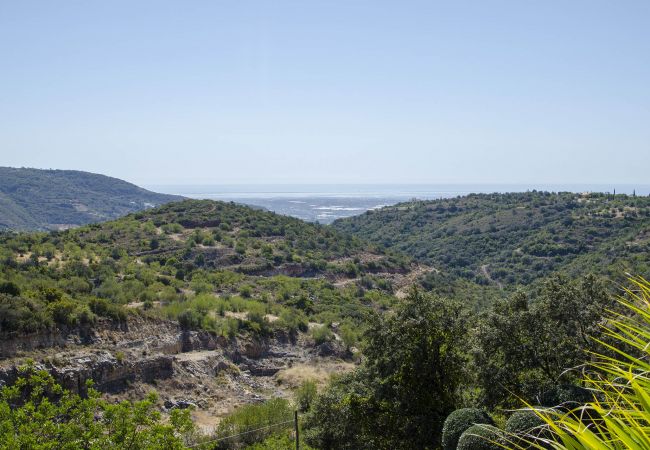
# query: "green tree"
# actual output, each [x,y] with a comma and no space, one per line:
[407,386]
[524,348]
[37,413]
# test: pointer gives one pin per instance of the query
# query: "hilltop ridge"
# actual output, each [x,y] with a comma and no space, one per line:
[515,238]
[35,199]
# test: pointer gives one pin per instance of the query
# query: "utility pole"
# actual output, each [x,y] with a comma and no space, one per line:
[295,427]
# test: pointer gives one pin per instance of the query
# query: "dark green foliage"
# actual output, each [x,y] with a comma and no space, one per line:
[516,238]
[305,395]
[338,419]
[458,422]
[158,258]
[527,430]
[23,315]
[9,288]
[190,320]
[409,383]
[523,421]
[523,347]
[481,437]
[567,396]
[32,199]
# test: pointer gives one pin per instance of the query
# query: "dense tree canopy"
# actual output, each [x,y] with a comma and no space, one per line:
[408,384]
[37,414]
[523,347]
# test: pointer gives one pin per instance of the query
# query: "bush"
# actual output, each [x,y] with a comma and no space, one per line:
[458,422]
[244,420]
[63,312]
[321,335]
[31,420]
[567,395]
[481,437]
[190,319]
[104,308]
[523,421]
[10,288]
[620,384]
[257,323]
[526,429]
[293,321]
[305,395]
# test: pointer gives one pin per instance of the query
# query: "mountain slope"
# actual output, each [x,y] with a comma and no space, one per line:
[517,238]
[216,303]
[34,199]
[181,250]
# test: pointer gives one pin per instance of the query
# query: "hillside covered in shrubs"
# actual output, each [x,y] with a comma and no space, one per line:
[423,370]
[505,240]
[185,261]
[34,199]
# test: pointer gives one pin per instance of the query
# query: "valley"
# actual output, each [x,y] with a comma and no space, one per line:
[217,307]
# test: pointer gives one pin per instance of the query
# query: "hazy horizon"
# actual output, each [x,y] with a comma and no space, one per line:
[326,203]
[328,92]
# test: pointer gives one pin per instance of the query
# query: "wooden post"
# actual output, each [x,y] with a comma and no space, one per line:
[295,427]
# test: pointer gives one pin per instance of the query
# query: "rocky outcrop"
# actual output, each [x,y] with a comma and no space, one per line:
[196,366]
[108,372]
[12,344]
[146,334]
[201,340]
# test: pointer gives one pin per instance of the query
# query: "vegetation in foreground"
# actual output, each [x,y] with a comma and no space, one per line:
[36,413]
[418,387]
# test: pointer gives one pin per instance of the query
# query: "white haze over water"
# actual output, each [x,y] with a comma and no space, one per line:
[326,203]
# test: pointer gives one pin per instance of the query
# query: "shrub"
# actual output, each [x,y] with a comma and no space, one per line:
[293,320]
[63,312]
[481,437]
[104,308]
[190,319]
[305,395]
[523,421]
[254,423]
[321,335]
[458,422]
[526,429]
[256,322]
[10,288]
[246,291]
[567,395]
[349,334]
[67,420]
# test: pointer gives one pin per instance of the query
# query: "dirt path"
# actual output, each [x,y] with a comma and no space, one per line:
[484,271]
[409,280]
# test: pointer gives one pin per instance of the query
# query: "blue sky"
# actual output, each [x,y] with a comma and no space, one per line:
[347,91]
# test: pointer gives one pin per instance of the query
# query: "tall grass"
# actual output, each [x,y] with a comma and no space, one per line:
[619,415]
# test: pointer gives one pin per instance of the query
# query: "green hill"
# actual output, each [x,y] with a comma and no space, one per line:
[34,199]
[517,238]
[193,261]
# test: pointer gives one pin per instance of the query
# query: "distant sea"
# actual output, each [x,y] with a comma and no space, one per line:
[326,203]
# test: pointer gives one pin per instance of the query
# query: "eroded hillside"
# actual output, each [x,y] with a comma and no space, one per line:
[211,304]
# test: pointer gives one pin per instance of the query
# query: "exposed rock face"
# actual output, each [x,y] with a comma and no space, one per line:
[187,367]
[107,372]
[146,334]
[14,343]
[145,351]
[201,340]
